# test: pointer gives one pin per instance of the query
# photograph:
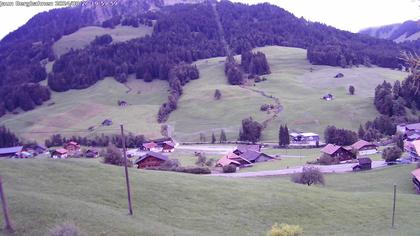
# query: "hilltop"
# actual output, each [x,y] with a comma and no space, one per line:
[401,32]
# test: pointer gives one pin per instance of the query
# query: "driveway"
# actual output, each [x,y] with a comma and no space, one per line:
[341,168]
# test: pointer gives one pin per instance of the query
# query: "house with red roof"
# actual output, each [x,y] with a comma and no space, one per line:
[232,158]
[168,146]
[152,147]
[59,153]
[72,147]
[363,148]
[338,152]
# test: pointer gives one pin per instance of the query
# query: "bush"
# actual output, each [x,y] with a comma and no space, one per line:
[113,156]
[391,154]
[229,169]
[327,160]
[194,170]
[170,164]
[285,230]
[309,176]
[66,229]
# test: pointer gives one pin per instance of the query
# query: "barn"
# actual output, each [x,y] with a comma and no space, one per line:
[150,159]
[242,148]
[254,157]
[10,151]
[337,152]
[365,163]
[232,157]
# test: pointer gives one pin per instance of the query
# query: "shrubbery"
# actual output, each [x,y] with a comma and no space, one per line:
[285,230]
[66,229]
[112,155]
[327,160]
[391,154]
[309,176]
[229,169]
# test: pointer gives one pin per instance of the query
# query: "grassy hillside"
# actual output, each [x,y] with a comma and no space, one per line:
[43,193]
[298,89]
[292,81]
[73,112]
[82,37]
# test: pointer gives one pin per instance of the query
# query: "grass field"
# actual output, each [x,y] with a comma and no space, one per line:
[75,111]
[84,36]
[43,193]
[298,89]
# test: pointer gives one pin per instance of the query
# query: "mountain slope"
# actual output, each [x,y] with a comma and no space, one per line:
[407,31]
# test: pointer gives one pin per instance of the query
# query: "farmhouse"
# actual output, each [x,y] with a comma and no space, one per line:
[150,159]
[59,153]
[413,149]
[72,147]
[168,146]
[242,148]
[152,147]
[416,179]
[304,138]
[338,152]
[10,151]
[364,148]
[365,163]
[233,157]
[34,149]
[254,157]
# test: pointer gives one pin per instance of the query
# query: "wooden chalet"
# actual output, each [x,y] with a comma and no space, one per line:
[365,163]
[150,159]
[152,147]
[337,152]
[34,149]
[254,157]
[416,179]
[60,153]
[233,157]
[364,148]
[168,146]
[10,151]
[242,148]
[72,147]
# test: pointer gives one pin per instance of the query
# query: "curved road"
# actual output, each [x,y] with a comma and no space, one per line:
[341,168]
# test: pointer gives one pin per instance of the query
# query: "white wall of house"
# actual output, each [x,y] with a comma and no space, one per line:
[367,152]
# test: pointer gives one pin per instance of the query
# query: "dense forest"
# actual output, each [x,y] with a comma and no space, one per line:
[182,33]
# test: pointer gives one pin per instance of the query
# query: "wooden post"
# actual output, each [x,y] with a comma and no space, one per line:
[393,208]
[9,226]
[127,180]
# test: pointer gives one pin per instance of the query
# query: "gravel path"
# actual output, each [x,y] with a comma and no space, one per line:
[325,169]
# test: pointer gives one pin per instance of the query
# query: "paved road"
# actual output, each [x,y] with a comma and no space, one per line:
[325,169]
[213,149]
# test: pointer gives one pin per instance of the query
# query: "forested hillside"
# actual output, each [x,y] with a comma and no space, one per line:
[407,31]
[182,33]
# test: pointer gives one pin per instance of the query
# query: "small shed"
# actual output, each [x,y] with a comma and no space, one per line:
[150,159]
[364,148]
[59,153]
[365,163]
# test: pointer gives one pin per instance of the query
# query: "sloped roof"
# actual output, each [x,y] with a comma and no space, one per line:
[416,174]
[361,143]
[330,149]
[10,150]
[364,160]
[224,161]
[72,143]
[153,154]
[150,145]
[170,143]
[414,136]
[61,150]
[250,155]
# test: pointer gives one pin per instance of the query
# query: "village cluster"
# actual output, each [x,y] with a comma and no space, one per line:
[154,153]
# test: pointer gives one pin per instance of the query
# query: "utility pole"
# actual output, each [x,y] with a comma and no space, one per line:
[393,208]
[127,180]
[9,226]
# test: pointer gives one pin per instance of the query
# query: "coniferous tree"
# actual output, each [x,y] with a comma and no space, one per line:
[222,136]
[213,138]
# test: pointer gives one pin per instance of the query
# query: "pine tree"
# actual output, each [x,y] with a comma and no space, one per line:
[361,132]
[213,138]
[281,135]
[222,136]
[286,136]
